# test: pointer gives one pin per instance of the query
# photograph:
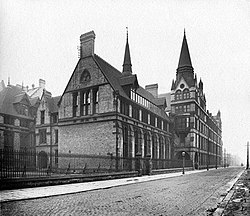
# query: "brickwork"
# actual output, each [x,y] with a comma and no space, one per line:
[92,138]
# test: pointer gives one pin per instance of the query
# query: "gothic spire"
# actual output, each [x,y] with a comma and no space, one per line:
[127,66]
[184,59]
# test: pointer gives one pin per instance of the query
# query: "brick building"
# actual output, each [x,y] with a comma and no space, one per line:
[198,132]
[106,112]
[17,118]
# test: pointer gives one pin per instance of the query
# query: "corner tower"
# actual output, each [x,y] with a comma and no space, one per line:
[195,127]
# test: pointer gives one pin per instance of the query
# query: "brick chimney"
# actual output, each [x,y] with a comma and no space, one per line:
[87,44]
[153,89]
[42,83]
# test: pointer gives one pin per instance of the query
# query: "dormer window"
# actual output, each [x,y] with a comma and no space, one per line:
[85,76]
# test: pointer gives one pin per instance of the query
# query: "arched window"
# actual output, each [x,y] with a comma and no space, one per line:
[186,94]
[85,76]
[178,95]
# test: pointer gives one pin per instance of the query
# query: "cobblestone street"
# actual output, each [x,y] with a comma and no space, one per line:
[192,194]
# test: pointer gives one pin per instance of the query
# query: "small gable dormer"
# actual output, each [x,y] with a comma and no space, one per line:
[22,104]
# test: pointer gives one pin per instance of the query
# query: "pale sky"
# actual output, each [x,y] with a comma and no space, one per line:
[39,39]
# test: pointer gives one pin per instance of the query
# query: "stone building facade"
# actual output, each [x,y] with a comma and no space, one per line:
[198,132]
[17,118]
[106,112]
[46,132]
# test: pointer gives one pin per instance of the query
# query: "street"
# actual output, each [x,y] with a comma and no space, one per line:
[184,195]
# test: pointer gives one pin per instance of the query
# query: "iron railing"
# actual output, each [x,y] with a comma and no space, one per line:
[24,163]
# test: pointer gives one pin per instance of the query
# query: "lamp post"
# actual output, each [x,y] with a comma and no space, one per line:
[50,124]
[247,167]
[183,162]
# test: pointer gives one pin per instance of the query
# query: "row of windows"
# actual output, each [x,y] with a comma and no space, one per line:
[141,100]
[143,115]
[182,123]
[160,144]
[11,121]
[182,95]
[22,109]
[54,117]
[85,101]
[203,128]
[43,136]
[182,108]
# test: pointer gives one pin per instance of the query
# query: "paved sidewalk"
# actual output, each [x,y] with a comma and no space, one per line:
[39,192]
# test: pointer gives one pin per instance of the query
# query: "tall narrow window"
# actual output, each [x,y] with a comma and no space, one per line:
[87,103]
[75,98]
[42,136]
[56,156]
[95,100]
[42,116]
[82,103]
[56,136]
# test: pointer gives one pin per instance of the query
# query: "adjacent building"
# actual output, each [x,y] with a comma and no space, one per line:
[46,131]
[17,120]
[198,133]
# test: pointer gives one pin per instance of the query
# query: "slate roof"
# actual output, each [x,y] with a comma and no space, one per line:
[184,59]
[52,103]
[10,95]
[117,80]
[167,96]
[33,101]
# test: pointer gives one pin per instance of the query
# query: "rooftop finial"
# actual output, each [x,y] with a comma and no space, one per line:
[8,80]
[127,33]
[127,70]
[184,31]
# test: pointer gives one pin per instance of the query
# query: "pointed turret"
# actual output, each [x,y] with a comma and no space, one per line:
[185,68]
[127,66]
[173,85]
[184,59]
[201,85]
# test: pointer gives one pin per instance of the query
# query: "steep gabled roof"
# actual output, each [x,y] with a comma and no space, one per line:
[184,59]
[34,101]
[117,80]
[161,102]
[167,96]
[52,103]
[8,97]
[112,74]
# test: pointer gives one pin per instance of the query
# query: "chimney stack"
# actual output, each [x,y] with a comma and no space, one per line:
[153,89]
[87,44]
[42,83]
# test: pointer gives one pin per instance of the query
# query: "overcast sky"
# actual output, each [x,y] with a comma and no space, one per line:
[39,39]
